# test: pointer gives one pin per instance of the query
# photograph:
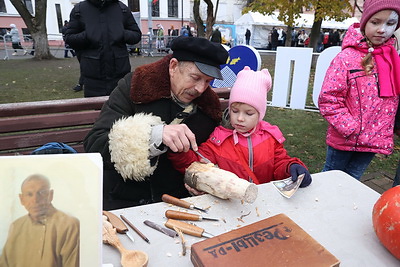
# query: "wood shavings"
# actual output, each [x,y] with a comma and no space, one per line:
[223,219]
[239,225]
[244,215]
[179,231]
[207,208]
[240,220]
[257,212]
[242,201]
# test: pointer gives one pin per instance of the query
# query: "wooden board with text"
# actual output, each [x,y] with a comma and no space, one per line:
[275,241]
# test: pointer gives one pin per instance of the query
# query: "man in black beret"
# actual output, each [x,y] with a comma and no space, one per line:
[164,105]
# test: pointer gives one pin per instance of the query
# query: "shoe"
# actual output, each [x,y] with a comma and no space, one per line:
[25,52]
[14,54]
[77,88]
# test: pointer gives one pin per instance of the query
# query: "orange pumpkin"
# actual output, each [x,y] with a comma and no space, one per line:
[386,220]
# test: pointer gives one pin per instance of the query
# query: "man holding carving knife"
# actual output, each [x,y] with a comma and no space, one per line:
[164,105]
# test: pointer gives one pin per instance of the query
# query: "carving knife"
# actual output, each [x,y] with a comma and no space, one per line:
[161,229]
[179,215]
[118,224]
[179,202]
[186,228]
[201,156]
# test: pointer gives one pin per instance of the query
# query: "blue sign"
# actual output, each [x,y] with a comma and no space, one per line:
[239,57]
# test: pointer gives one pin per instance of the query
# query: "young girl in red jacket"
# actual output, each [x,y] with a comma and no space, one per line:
[359,97]
[249,147]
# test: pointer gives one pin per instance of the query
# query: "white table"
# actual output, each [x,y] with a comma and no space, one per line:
[335,210]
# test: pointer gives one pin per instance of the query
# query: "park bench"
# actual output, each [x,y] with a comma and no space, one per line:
[29,125]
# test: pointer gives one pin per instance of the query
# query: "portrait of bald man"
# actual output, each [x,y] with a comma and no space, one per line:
[45,236]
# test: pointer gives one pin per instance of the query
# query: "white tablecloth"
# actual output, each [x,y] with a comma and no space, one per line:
[335,210]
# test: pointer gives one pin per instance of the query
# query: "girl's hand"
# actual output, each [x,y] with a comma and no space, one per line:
[193,191]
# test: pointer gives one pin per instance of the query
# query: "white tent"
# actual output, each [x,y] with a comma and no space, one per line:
[261,25]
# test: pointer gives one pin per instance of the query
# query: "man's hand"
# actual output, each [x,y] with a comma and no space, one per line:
[179,138]
[296,170]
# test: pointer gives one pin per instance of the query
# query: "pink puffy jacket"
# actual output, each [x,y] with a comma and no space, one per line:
[359,120]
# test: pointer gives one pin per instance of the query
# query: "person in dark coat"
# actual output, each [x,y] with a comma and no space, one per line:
[98,31]
[216,36]
[274,39]
[247,35]
[67,48]
[165,105]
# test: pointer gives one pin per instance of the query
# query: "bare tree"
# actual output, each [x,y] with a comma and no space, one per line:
[210,20]
[36,26]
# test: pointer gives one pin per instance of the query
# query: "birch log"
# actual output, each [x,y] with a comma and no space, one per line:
[219,183]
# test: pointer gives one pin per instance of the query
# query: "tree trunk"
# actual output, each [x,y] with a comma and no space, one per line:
[219,183]
[315,34]
[288,41]
[198,19]
[36,26]
[210,21]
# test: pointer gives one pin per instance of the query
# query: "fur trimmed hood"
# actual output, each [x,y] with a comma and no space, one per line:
[151,82]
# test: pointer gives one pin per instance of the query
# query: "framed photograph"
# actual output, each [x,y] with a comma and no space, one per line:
[51,210]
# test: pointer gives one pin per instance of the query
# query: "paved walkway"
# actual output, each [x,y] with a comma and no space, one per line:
[380,182]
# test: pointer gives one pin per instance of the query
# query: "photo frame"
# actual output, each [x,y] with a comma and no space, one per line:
[76,180]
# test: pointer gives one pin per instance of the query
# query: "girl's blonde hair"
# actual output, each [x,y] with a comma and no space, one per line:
[367,62]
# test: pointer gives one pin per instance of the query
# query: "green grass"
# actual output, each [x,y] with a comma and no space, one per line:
[25,80]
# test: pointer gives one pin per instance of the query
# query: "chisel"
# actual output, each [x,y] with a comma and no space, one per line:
[187,228]
[161,229]
[179,202]
[118,224]
[172,214]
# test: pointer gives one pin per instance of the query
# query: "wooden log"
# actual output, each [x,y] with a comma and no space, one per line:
[219,183]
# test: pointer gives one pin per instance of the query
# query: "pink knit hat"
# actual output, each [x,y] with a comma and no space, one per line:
[251,88]
[373,6]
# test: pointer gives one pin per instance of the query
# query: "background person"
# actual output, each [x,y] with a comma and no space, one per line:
[167,104]
[16,42]
[67,48]
[247,36]
[45,236]
[359,96]
[248,146]
[216,36]
[98,31]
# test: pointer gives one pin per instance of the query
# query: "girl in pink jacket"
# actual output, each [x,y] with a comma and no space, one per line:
[359,97]
[249,147]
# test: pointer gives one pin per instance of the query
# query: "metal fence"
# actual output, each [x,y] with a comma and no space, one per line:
[148,46]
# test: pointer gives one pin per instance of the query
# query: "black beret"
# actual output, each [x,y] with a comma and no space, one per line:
[207,56]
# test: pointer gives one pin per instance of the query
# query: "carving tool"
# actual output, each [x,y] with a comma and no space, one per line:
[201,156]
[118,224]
[135,229]
[179,202]
[186,228]
[179,215]
[161,229]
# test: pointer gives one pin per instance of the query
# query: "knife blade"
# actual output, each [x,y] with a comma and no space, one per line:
[201,156]
[118,224]
[161,229]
